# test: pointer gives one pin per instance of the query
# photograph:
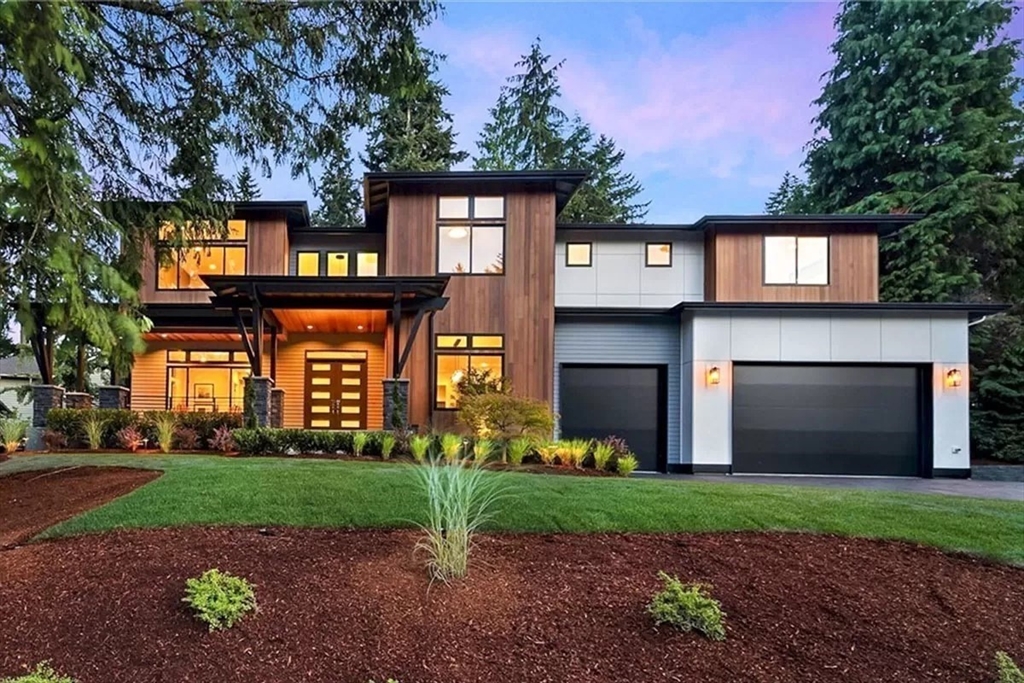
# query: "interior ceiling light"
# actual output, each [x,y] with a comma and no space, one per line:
[458,233]
[359,327]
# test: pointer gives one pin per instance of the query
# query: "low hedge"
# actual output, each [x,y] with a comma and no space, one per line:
[266,441]
[69,423]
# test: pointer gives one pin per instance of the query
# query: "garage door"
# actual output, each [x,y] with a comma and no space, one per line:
[826,420]
[627,401]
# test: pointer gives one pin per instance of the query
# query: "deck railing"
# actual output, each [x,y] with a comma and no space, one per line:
[187,404]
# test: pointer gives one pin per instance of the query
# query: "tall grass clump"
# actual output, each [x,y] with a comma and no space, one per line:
[387,445]
[460,499]
[482,450]
[94,425]
[603,452]
[451,444]
[418,446]
[43,673]
[577,450]
[626,465]
[164,424]
[517,450]
[548,452]
[359,440]
[12,431]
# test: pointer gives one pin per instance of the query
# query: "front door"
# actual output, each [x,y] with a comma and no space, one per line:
[335,394]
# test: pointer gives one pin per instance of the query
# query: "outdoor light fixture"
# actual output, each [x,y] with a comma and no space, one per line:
[714,375]
[309,327]
[359,327]
[953,378]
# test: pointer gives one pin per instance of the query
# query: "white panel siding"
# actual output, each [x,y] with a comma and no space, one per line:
[806,339]
[623,341]
[906,339]
[755,338]
[856,339]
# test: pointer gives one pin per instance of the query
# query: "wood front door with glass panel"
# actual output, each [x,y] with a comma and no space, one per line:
[335,393]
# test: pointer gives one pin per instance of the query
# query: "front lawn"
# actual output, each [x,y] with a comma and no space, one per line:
[196,490]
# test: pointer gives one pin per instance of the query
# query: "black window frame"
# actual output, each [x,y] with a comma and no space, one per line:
[320,262]
[467,351]
[164,246]
[796,262]
[190,363]
[647,254]
[590,255]
[470,223]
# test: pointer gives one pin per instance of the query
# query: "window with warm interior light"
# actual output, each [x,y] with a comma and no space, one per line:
[578,254]
[455,354]
[337,263]
[366,264]
[206,381]
[659,255]
[307,263]
[791,260]
[182,268]
[471,235]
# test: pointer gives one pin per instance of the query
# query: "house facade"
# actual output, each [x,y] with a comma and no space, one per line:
[734,344]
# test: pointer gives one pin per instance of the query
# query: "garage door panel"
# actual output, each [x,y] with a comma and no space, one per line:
[826,420]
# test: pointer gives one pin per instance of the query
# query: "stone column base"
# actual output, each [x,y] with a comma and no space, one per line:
[115,398]
[256,407]
[78,399]
[277,407]
[45,397]
[396,404]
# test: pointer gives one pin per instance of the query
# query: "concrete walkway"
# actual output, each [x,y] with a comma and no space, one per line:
[952,487]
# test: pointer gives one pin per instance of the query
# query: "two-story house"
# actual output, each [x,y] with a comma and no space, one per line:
[735,344]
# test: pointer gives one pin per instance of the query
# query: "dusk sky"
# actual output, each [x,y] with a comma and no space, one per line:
[712,102]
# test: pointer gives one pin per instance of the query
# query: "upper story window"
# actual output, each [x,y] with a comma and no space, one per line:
[181,268]
[337,263]
[659,255]
[471,235]
[307,263]
[791,260]
[578,254]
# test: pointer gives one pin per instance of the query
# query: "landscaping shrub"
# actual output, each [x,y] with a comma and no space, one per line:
[186,439]
[505,416]
[206,424]
[130,439]
[163,426]
[54,440]
[459,501]
[93,426]
[476,382]
[219,599]
[387,444]
[12,431]
[603,453]
[687,607]
[450,444]
[626,465]
[574,452]
[359,440]
[548,452]
[223,440]
[255,441]
[1008,670]
[618,445]
[43,673]
[419,445]
[115,420]
[482,450]
[68,422]
[74,424]
[517,449]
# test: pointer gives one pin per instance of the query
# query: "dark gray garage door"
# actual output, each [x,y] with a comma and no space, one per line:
[627,401]
[826,420]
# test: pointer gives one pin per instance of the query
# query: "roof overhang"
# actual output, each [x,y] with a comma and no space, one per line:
[973,311]
[883,224]
[322,293]
[296,213]
[377,187]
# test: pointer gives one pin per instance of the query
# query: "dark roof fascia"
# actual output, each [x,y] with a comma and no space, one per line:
[884,224]
[973,310]
[621,231]
[296,212]
[239,290]
[337,230]
[188,317]
[612,312]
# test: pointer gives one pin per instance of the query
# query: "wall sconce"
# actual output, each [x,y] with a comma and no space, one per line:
[714,375]
[953,378]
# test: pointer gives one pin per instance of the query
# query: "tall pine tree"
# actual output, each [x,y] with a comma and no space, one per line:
[245,185]
[411,130]
[341,203]
[528,131]
[791,197]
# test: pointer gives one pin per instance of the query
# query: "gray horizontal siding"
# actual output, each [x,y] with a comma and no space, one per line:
[624,341]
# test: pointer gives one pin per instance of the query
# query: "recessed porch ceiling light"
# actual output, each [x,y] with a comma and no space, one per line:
[359,327]
[309,327]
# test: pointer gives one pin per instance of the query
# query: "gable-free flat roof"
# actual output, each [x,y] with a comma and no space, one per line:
[883,224]
[973,310]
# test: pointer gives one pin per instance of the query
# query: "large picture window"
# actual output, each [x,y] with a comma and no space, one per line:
[206,381]
[455,354]
[790,260]
[182,268]
[471,235]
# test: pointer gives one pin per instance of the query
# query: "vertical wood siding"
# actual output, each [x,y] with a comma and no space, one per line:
[621,342]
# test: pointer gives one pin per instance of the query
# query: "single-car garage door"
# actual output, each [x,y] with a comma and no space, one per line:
[628,401]
[827,420]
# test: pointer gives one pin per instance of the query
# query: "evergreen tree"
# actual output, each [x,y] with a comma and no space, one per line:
[246,188]
[791,197]
[341,203]
[411,130]
[528,131]
[997,380]
[83,141]
[918,115]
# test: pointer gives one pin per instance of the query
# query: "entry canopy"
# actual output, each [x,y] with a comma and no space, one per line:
[356,293]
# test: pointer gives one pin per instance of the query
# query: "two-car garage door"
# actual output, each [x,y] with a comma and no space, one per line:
[805,419]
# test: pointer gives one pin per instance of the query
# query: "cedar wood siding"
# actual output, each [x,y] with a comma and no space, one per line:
[267,255]
[518,304]
[734,269]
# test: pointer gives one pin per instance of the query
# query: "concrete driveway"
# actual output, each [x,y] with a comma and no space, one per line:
[1004,490]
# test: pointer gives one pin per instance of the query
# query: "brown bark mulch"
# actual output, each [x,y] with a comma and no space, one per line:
[33,501]
[347,606]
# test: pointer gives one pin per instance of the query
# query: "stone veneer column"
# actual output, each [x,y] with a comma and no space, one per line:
[277,407]
[78,399]
[256,406]
[115,398]
[396,404]
[45,397]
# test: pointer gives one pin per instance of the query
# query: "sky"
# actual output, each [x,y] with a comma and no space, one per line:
[712,102]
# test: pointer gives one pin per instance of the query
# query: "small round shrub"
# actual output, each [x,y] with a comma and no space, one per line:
[43,673]
[219,599]
[688,607]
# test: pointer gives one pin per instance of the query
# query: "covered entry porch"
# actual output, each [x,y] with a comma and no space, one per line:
[324,353]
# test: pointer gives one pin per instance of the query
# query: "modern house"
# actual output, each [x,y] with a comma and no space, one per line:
[16,373]
[734,344]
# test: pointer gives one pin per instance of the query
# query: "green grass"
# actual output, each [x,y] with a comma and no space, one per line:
[297,492]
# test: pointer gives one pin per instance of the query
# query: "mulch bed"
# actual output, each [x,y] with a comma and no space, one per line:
[348,606]
[33,501]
